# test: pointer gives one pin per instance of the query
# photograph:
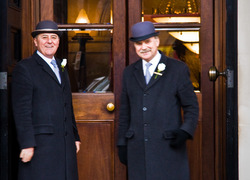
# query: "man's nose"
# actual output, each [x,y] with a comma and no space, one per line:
[143,45]
[49,40]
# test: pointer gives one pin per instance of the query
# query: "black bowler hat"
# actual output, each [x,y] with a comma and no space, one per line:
[142,31]
[46,27]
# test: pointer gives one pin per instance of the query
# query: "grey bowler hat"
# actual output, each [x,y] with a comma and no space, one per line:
[142,31]
[46,27]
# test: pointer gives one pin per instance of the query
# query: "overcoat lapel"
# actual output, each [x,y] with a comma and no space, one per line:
[62,74]
[138,72]
[46,67]
[154,79]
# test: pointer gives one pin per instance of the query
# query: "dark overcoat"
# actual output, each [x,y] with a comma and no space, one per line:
[148,114]
[45,120]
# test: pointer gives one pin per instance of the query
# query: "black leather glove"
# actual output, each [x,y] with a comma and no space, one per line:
[122,153]
[180,138]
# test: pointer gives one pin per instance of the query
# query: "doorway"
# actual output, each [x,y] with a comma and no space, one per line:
[112,29]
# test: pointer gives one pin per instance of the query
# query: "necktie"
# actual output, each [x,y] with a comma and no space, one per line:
[56,69]
[148,75]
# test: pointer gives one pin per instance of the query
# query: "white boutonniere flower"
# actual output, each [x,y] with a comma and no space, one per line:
[161,67]
[63,64]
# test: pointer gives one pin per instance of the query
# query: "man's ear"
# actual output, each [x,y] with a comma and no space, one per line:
[35,42]
[157,41]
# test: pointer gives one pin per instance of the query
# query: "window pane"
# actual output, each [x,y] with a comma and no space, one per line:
[89,11]
[184,46]
[171,11]
[89,60]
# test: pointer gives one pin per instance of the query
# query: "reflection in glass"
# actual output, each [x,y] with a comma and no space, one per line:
[171,11]
[97,11]
[89,60]
[88,50]
[185,51]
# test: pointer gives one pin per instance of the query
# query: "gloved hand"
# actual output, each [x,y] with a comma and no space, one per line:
[180,138]
[122,153]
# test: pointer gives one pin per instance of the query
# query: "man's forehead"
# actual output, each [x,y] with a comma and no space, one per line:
[47,34]
[145,40]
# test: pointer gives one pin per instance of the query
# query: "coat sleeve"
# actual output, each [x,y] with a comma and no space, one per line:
[189,103]
[22,91]
[75,131]
[77,137]
[124,114]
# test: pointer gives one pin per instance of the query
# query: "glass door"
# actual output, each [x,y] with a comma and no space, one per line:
[94,43]
[87,44]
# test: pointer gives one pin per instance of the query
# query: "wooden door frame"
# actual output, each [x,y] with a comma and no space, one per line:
[226,98]
[119,61]
[220,89]
[10,38]
[207,90]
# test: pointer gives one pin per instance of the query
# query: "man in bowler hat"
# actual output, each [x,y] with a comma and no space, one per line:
[152,134]
[43,113]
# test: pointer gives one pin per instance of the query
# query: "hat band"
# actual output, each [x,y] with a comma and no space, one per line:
[37,30]
[141,38]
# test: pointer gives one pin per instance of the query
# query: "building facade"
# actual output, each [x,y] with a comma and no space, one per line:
[202,33]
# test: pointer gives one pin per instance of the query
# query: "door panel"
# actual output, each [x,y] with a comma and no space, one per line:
[96,129]
[96,157]
[98,108]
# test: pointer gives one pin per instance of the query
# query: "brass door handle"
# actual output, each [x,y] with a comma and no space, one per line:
[110,107]
[213,73]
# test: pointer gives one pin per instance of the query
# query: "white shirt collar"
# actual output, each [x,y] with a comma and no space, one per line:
[47,60]
[155,61]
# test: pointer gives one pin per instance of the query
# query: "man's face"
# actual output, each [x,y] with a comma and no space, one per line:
[147,49]
[47,44]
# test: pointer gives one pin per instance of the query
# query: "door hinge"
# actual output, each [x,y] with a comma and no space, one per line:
[230,78]
[3,80]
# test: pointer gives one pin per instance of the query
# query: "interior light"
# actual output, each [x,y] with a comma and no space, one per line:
[186,36]
[177,19]
[194,47]
[82,17]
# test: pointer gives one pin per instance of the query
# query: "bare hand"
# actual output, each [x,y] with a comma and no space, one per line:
[27,154]
[78,143]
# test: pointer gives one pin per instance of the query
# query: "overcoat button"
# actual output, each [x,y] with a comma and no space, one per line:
[144,109]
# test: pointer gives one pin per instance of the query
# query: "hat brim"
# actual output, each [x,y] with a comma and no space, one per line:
[36,32]
[141,38]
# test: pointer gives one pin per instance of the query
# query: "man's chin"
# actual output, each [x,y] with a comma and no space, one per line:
[145,56]
[50,53]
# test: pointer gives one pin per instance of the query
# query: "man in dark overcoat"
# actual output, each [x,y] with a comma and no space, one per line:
[152,133]
[43,112]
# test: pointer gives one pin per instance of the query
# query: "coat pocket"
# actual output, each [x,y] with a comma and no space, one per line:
[44,129]
[168,135]
[129,134]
